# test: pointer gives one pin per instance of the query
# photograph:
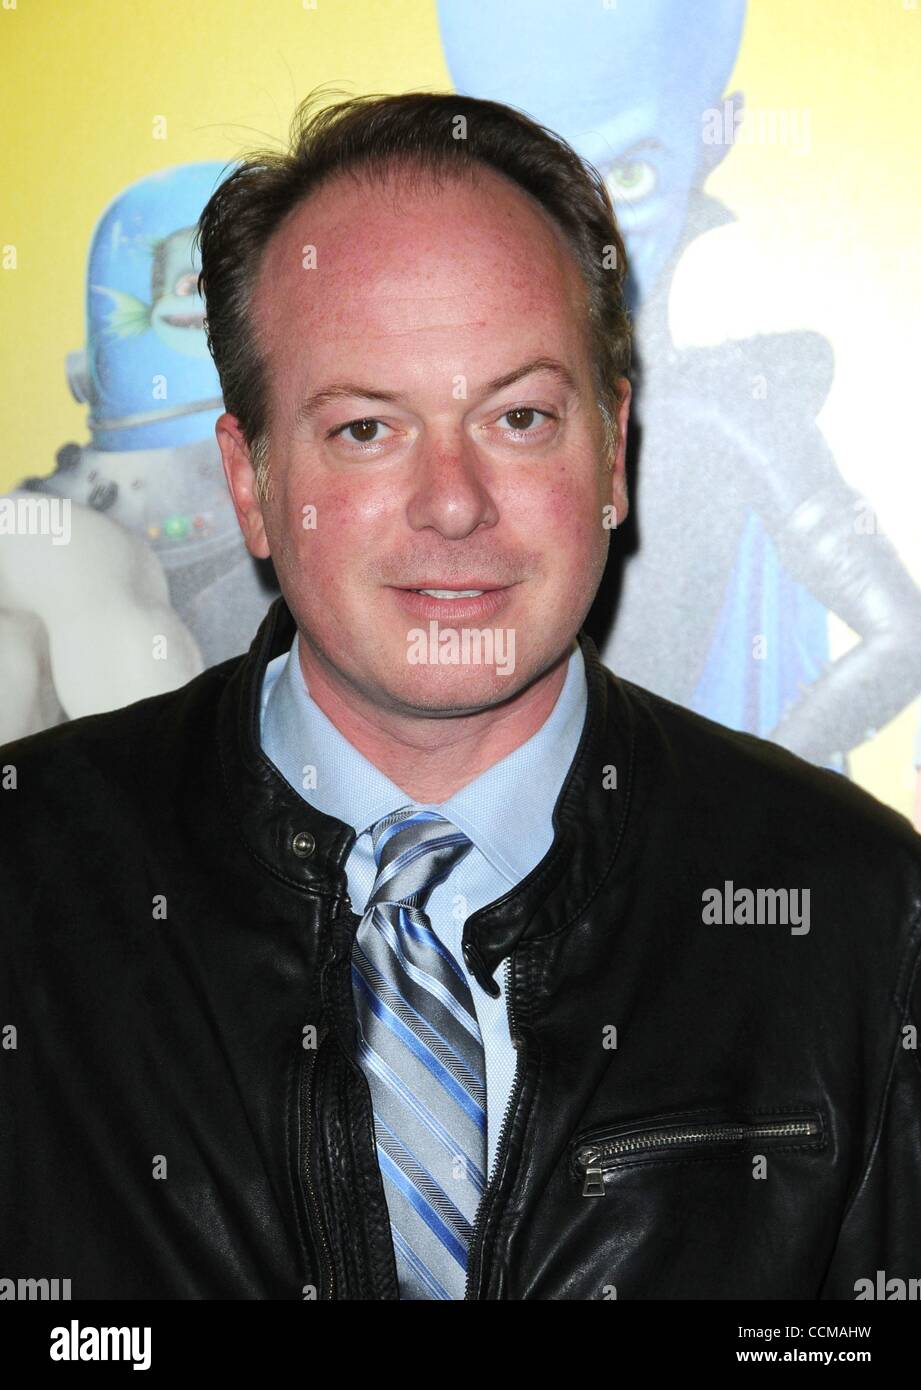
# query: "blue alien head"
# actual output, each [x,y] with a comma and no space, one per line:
[146,374]
[626,84]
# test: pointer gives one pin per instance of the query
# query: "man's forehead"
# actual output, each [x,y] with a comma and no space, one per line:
[400,234]
[453,330]
[349,277]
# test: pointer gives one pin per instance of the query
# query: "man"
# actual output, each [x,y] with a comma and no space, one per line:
[415,955]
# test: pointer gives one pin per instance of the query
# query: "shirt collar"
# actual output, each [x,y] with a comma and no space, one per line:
[304,743]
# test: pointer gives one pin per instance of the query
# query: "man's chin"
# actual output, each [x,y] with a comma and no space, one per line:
[446,690]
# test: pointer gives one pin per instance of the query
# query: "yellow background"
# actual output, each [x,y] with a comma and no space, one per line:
[85,81]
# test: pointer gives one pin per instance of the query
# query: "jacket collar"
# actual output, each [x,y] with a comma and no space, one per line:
[307,849]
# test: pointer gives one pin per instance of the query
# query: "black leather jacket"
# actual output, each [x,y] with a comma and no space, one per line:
[702,1109]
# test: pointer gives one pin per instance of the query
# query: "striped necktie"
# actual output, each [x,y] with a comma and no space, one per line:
[420,1047]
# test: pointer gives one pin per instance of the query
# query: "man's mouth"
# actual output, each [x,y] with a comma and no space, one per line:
[449,593]
[476,598]
[470,590]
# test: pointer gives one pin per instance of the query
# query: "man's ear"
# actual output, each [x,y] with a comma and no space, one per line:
[241,480]
[618,471]
[732,108]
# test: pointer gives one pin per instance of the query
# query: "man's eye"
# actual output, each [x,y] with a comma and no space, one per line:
[360,431]
[523,417]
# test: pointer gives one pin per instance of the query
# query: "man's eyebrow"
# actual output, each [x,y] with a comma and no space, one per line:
[312,404]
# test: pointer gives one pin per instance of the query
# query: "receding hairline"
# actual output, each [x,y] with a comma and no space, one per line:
[418,174]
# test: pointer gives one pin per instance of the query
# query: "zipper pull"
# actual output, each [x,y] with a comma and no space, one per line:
[594,1183]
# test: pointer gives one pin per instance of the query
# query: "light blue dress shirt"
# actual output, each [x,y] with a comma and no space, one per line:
[505,811]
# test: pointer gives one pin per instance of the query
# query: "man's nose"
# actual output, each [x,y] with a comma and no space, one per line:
[450,492]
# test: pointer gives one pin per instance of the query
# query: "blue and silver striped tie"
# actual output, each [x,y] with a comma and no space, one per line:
[420,1047]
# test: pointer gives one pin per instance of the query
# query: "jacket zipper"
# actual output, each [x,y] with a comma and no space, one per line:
[314,1202]
[595,1159]
[318,1223]
[487,1199]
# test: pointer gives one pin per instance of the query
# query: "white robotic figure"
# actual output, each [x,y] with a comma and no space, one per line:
[86,624]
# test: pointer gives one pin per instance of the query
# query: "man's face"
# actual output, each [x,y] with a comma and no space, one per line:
[429,297]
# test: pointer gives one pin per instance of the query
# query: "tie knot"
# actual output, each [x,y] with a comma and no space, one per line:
[414,851]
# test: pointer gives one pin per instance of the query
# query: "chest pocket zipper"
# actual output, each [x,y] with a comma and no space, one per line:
[598,1153]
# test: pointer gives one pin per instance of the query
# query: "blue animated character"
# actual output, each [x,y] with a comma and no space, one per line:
[152,467]
[743,534]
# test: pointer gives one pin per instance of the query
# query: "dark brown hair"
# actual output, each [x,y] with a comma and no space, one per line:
[438,134]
